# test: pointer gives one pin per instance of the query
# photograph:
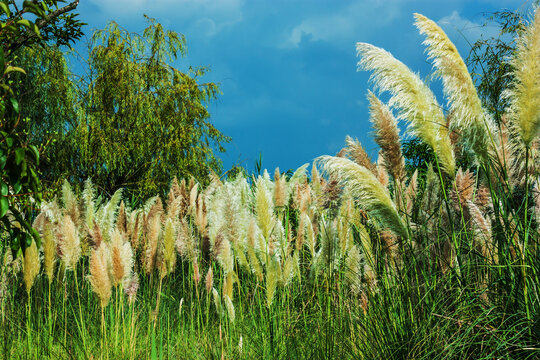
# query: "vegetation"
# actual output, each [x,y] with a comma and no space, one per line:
[142,120]
[362,261]
[20,185]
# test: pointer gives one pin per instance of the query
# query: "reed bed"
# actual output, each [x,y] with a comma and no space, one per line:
[352,259]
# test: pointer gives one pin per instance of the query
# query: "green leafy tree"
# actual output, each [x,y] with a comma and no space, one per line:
[143,121]
[19,182]
[488,60]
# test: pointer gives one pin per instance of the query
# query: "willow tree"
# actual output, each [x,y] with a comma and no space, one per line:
[142,120]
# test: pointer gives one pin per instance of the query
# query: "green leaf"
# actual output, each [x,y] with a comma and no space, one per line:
[15,105]
[34,152]
[3,188]
[10,68]
[17,187]
[19,155]
[3,160]
[5,8]
[30,25]
[9,141]
[33,8]
[4,206]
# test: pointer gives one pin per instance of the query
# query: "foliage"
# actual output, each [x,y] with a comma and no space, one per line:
[18,159]
[133,121]
[488,60]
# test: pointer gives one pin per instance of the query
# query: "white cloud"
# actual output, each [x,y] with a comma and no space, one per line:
[345,22]
[209,15]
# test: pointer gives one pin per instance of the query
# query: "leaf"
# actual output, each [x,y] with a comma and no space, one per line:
[19,155]
[33,8]
[5,8]
[17,187]
[30,25]
[3,188]
[10,68]
[34,152]
[4,206]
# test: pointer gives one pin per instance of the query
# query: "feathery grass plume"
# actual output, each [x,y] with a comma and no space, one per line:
[49,251]
[464,186]
[252,235]
[196,273]
[151,243]
[280,189]
[382,174]
[201,219]
[223,252]
[217,301]
[30,265]
[107,214]
[209,280]
[288,271]
[88,196]
[469,118]
[228,284]
[524,94]
[410,193]
[122,259]
[70,202]
[121,218]
[96,236]
[387,136]
[356,152]
[99,274]
[264,207]
[169,242]
[132,287]
[272,278]
[412,98]
[481,226]
[367,190]
[185,241]
[134,236]
[71,243]
[193,195]
[230,308]
[310,234]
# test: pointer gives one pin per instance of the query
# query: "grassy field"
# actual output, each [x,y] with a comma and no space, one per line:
[350,259]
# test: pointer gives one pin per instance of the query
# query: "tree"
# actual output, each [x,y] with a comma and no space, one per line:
[143,121]
[18,158]
[488,60]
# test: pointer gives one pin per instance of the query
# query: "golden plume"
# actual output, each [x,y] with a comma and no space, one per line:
[412,98]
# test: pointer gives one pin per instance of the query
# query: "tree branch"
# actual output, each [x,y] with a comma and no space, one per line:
[42,22]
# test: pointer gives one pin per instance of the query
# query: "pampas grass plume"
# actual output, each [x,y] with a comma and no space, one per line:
[30,265]
[99,274]
[71,243]
[468,117]
[49,252]
[525,93]
[412,97]
[369,192]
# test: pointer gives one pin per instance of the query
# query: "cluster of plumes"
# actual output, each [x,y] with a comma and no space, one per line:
[276,230]
[389,197]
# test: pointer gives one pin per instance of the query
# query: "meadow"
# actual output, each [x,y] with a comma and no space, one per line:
[348,258]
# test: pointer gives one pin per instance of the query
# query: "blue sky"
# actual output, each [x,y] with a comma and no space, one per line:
[287,69]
